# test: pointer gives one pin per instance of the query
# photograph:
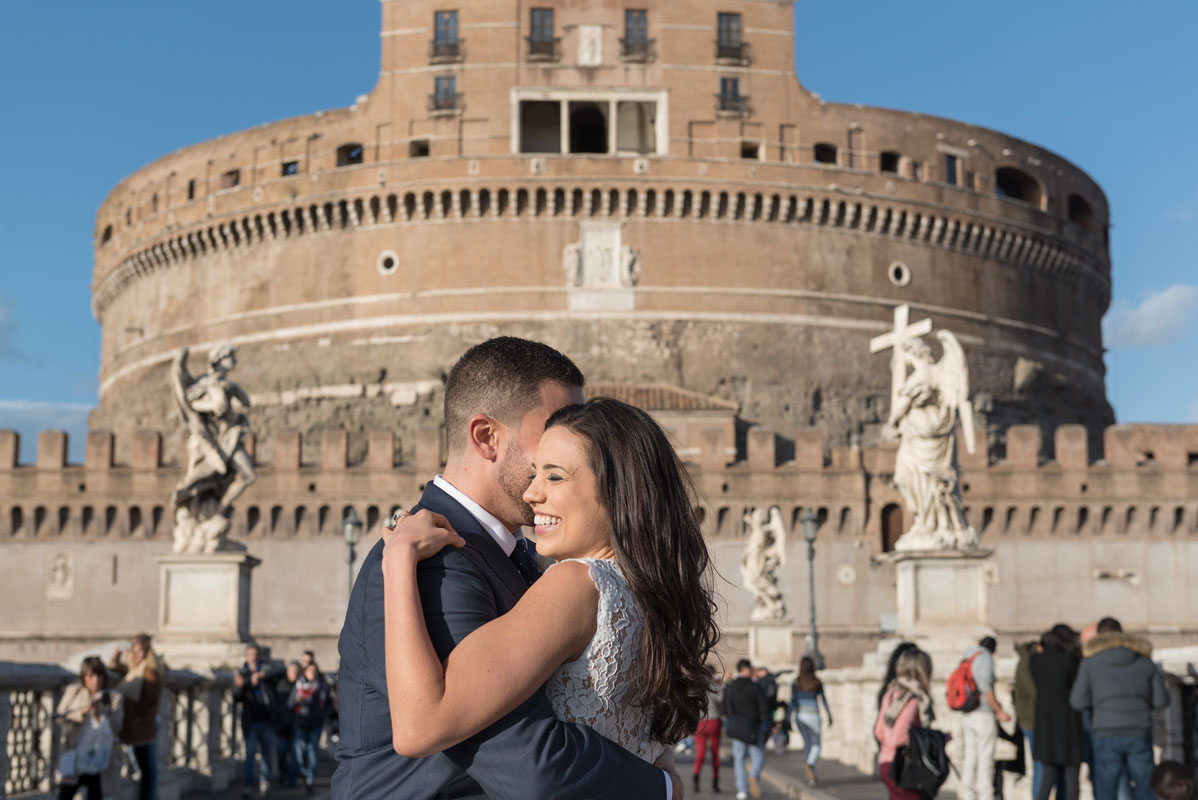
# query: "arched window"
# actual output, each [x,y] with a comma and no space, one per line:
[1017,185]
[825,153]
[349,154]
[1081,213]
[892,526]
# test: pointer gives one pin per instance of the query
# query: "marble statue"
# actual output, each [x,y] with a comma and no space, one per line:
[928,398]
[764,553]
[219,469]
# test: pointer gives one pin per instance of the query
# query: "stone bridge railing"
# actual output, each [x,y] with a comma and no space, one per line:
[199,739]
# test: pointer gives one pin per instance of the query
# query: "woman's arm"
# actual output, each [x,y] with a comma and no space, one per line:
[827,710]
[494,669]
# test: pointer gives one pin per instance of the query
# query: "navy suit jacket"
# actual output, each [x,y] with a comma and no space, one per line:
[530,753]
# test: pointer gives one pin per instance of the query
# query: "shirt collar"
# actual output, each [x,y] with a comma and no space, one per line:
[499,532]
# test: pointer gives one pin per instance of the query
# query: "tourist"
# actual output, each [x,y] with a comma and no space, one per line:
[1025,713]
[1118,683]
[307,657]
[1059,744]
[141,687]
[1123,790]
[255,696]
[89,707]
[747,713]
[283,716]
[1173,781]
[310,699]
[707,735]
[905,705]
[979,732]
[805,695]
[891,667]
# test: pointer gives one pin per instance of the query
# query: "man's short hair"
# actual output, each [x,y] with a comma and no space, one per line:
[744,664]
[1172,781]
[310,654]
[502,379]
[988,643]
[1109,625]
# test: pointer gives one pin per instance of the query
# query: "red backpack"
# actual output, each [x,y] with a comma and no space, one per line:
[961,691]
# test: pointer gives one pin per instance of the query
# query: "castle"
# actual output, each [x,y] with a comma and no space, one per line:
[652,191]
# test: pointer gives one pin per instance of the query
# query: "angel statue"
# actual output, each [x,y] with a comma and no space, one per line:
[928,398]
[764,553]
[219,468]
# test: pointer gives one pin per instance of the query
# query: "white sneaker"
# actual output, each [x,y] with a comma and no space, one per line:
[741,796]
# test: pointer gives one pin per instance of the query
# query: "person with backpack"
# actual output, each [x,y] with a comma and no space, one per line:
[748,719]
[1059,744]
[905,707]
[970,690]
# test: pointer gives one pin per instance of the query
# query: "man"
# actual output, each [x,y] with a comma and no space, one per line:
[979,731]
[284,726]
[253,692]
[306,658]
[1120,687]
[748,714]
[1123,790]
[497,398]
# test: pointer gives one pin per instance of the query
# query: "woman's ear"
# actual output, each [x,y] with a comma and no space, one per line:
[485,436]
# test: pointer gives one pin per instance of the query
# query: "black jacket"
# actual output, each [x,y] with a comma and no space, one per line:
[1059,737]
[747,710]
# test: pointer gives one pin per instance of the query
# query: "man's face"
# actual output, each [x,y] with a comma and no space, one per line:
[515,466]
[251,656]
[305,660]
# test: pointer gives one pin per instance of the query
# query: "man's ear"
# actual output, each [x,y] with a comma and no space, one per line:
[484,436]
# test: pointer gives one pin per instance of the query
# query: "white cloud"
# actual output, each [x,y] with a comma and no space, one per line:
[1160,320]
[30,417]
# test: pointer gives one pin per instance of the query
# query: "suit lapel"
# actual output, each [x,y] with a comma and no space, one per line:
[480,545]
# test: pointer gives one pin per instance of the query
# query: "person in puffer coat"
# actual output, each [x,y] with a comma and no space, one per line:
[1121,687]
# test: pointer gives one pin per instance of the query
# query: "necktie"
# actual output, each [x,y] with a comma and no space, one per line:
[525,562]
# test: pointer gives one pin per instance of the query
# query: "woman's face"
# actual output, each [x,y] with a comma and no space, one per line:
[92,681]
[564,496]
[310,672]
[136,653]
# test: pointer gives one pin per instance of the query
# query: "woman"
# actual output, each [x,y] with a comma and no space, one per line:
[141,686]
[84,704]
[618,631]
[1059,744]
[905,705]
[310,700]
[805,695]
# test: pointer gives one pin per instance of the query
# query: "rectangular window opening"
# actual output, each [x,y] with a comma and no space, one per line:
[191,189]
[541,41]
[728,43]
[588,127]
[950,169]
[636,127]
[445,96]
[750,151]
[418,148]
[540,126]
[290,168]
[230,179]
[636,33]
[446,44]
[888,161]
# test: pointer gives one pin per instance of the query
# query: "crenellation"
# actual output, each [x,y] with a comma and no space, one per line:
[334,450]
[51,450]
[1023,446]
[428,450]
[380,450]
[10,450]
[809,449]
[99,452]
[1072,446]
[762,448]
[147,450]
[287,450]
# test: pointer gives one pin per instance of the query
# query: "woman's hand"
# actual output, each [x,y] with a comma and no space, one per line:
[423,534]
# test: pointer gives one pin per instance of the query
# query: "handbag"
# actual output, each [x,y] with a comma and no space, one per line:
[95,746]
[921,765]
[66,764]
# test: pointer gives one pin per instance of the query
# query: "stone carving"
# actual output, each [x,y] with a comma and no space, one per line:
[60,584]
[928,397]
[630,266]
[764,553]
[590,45]
[219,468]
[572,263]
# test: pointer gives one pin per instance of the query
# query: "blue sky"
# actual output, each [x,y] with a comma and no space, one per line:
[93,91]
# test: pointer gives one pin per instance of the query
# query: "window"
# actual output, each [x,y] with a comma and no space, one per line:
[446,44]
[728,44]
[1081,213]
[540,126]
[445,96]
[541,41]
[825,153]
[588,127]
[107,235]
[636,34]
[191,189]
[889,161]
[916,170]
[154,203]
[730,98]
[290,168]
[1017,185]
[950,169]
[230,179]
[750,150]
[636,127]
[349,154]
[418,148]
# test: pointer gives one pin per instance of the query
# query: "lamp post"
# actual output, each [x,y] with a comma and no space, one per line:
[810,524]
[351,528]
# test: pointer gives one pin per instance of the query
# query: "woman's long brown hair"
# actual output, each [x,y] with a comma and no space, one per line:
[660,549]
[807,681]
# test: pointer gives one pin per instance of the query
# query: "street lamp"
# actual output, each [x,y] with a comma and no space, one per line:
[351,528]
[810,523]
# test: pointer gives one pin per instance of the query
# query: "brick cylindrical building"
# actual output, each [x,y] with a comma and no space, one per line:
[649,189]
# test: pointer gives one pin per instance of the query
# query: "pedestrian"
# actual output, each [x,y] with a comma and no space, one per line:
[748,716]
[891,667]
[89,716]
[707,735]
[1059,745]
[1025,711]
[283,716]
[905,705]
[1173,781]
[805,695]
[1121,687]
[1123,790]
[979,731]
[307,657]
[140,684]
[310,700]
[254,694]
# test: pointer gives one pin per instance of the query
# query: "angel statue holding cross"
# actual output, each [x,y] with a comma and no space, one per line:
[928,397]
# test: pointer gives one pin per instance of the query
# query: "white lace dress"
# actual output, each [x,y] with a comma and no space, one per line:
[599,688]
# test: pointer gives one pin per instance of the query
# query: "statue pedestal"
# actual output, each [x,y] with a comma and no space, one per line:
[942,592]
[204,608]
[771,643]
